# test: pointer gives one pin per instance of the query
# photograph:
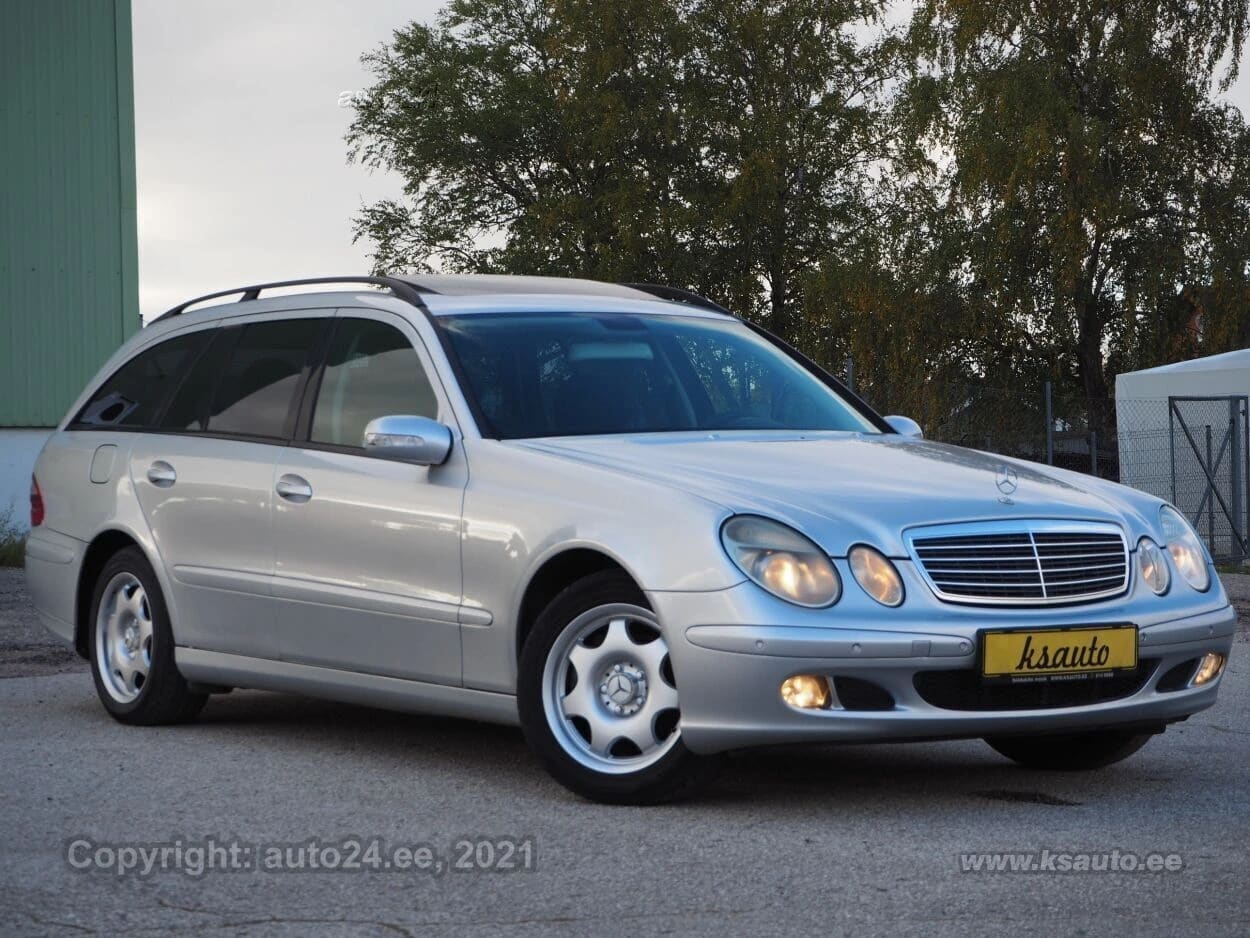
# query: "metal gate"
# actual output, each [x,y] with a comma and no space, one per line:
[1210,437]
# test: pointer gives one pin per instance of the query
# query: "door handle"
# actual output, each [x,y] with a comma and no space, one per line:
[161,474]
[294,488]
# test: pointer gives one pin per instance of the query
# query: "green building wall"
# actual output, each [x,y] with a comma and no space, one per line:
[68,246]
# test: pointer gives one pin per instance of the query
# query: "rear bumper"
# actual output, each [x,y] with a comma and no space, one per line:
[53,562]
[729,675]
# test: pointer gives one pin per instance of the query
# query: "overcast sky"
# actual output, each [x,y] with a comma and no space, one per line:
[242,168]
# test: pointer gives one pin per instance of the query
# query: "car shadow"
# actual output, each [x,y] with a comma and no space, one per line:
[785,779]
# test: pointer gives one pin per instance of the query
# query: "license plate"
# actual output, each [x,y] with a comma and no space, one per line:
[1058,654]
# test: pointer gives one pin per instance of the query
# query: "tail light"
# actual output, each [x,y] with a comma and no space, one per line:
[36,503]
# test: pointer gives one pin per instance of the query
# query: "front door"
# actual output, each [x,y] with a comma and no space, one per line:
[367,550]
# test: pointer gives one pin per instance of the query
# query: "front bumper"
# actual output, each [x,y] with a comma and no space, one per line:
[729,668]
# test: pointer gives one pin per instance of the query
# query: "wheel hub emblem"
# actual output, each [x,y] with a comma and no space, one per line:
[623,690]
[132,638]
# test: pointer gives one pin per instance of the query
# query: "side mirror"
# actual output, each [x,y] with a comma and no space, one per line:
[905,426]
[408,439]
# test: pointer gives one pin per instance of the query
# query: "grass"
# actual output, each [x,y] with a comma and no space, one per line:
[12,540]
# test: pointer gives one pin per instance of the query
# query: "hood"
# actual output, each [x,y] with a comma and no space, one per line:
[845,488]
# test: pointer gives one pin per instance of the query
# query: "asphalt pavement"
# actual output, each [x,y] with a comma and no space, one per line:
[817,840]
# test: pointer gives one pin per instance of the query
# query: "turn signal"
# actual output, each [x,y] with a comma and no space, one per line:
[876,575]
[1154,571]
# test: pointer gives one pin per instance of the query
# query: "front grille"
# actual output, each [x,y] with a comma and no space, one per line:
[966,690]
[1025,563]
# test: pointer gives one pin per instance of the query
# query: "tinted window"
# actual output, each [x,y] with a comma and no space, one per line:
[260,379]
[579,373]
[189,408]
[134,395]
[371,371]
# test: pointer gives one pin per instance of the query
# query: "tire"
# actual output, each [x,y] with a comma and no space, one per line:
[613,735]
[132,646]
[1074,752]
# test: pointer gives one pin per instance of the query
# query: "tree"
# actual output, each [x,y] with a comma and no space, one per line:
[530,137]
[788,108]
[1093,181]
[724,145]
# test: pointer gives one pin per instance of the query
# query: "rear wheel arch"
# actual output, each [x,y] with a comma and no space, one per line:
[105,545]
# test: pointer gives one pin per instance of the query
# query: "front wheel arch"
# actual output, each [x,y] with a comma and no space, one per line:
[556,574]
[674,774]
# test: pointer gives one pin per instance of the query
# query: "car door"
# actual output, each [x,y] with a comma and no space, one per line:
[205,479]
[367,550]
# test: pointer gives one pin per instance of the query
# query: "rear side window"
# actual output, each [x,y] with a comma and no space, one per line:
[371,371]
[134,395]
[188,410]
[254,395]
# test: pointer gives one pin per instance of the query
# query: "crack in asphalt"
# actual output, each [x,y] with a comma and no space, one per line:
[272,919]
[54,923]
[1027,797]
[1224,729]
[404,930]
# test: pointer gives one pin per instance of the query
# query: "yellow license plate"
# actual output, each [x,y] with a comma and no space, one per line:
[1058,653]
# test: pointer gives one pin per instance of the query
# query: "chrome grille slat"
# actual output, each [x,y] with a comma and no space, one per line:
[1004,565]
[991,586]
[1098,543]
[1068,573]
[1052,586]
[1013,544]
[1022,562]
[983,558]
[1085,567]
[1091,554]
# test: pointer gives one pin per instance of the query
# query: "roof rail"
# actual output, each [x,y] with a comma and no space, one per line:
[678,295]
[409,292]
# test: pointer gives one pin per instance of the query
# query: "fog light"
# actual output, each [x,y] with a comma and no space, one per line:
[805,691]
[1209,669]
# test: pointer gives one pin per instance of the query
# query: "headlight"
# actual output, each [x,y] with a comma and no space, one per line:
[1188,555]
[876,575]
[782,561]
[1152,566]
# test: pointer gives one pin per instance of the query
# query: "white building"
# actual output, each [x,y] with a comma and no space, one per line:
[1180,426]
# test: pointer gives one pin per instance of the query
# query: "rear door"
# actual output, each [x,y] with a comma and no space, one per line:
[367,550]
[205,479]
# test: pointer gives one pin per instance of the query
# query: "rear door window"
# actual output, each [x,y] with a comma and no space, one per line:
[134,396]
[257,388]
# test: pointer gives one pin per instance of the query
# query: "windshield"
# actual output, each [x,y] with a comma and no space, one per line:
[572,374]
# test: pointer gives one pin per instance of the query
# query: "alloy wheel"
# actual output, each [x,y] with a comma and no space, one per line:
[608,690]
[124,637]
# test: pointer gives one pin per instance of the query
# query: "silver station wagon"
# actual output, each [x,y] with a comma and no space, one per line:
[631,522]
